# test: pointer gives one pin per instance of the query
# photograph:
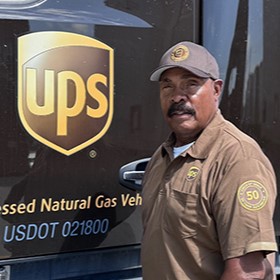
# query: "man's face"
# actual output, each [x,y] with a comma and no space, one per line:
[188,102]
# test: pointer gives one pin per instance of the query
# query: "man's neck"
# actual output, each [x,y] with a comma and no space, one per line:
[184,141]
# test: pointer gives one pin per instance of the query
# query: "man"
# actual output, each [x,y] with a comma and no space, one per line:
[209,191]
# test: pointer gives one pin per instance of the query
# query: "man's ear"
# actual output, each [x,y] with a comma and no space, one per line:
[218,86]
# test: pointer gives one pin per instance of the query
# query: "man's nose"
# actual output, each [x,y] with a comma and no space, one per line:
[178,96]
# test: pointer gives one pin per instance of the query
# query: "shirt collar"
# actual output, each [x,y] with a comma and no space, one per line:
[202,146]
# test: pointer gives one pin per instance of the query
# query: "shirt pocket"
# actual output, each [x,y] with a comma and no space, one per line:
[181,213]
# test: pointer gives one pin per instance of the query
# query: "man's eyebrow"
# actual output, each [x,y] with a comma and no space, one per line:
[189,76]
[165,79]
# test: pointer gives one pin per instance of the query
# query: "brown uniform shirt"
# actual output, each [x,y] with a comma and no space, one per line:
[213,202]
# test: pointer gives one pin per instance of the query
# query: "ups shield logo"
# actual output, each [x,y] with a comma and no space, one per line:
[65,89]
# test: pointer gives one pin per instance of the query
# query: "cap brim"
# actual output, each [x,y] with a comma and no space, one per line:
[155,76]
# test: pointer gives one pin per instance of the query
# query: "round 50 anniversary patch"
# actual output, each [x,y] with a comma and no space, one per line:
[252,195]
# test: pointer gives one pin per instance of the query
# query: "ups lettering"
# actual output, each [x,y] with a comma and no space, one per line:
[65,89]
[59,102]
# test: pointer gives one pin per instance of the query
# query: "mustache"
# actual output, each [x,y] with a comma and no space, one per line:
[179,109]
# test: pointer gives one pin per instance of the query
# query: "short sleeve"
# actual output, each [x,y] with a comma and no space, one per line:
[243,207]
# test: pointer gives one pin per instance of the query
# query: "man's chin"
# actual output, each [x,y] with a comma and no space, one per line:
[182,124]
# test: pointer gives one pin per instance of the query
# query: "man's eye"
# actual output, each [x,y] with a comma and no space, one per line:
[191,83]
[166,86]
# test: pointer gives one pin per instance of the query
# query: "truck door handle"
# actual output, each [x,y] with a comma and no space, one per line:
[131,174]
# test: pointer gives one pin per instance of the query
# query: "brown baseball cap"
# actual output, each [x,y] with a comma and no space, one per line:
[191,57]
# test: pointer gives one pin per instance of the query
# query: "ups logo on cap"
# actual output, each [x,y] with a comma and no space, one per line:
[180,53]
[65,89]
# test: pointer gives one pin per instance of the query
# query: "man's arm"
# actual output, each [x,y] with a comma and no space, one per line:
[250,266]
